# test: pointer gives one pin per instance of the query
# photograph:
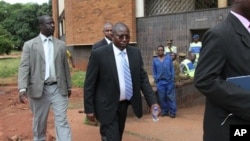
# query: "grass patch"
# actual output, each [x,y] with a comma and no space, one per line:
[9,70]
[9,67]
[9,73]
[77,79]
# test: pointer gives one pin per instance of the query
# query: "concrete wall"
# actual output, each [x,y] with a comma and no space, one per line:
[186,96]
[155,30]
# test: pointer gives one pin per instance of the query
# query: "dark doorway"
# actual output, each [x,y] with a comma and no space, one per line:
[200,32]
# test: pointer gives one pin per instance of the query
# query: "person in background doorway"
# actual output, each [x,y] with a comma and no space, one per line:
[163,73]
[107,31]
[195,47]
[44,81]
[225,54]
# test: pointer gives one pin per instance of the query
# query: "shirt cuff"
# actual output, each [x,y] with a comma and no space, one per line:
[22,90]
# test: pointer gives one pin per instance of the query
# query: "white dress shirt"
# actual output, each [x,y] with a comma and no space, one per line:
[50,75]
[118,60]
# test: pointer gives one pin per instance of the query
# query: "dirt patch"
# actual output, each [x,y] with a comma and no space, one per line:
[16,122]
[16,118]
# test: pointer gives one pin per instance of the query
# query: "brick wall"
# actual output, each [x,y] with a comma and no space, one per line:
[55,16]
[84,19]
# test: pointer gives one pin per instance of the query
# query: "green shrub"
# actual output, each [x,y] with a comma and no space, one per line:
[5,43]
[5,46]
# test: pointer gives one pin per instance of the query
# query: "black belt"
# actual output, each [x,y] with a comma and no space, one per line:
[50,83]
[124,101]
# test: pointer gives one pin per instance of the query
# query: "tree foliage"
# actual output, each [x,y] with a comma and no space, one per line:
[5,43]
[20,20]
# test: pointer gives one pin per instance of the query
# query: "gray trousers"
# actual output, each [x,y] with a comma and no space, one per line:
[40,108]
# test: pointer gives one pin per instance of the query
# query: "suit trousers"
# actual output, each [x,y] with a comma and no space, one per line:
[40,108]
[114,130]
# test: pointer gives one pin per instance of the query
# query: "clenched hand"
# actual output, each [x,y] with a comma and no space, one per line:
[23,97]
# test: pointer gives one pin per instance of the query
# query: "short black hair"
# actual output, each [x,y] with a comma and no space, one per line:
[41,19]
[160,46]
[107,24]
[117,27]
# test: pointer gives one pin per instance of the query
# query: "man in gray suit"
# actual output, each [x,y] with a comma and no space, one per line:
[44,81]
[225,53]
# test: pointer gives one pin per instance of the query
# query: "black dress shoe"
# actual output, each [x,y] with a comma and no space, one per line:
[163,115]
[172,115]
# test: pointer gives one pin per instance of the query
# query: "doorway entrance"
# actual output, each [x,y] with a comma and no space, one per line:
[200,32]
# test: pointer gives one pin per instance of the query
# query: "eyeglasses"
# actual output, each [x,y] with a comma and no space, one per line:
[108,30]
[121,37]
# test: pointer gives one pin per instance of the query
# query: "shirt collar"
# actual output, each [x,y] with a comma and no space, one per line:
[117,51]
[242,19]
[107,40]
[44,37]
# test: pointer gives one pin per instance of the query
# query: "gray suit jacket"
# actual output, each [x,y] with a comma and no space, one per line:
[32,67]
[225,53]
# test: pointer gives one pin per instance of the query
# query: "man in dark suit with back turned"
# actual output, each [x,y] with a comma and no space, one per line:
[225,53]
[106,89]
[107,31]
[44,78]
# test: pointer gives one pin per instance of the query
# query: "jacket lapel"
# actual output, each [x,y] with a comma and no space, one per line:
[246,40]
[104,42]
[130,59]
[240,30]
[56,47]
[38,43]
[112,62]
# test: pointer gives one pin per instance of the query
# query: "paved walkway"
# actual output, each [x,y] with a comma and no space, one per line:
[187,126]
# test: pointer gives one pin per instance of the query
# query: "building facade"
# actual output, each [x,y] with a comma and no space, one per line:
[80,22]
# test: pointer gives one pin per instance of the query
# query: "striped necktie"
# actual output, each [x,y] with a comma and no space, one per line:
[127,77]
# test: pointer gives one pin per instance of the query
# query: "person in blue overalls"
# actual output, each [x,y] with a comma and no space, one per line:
[163,73]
